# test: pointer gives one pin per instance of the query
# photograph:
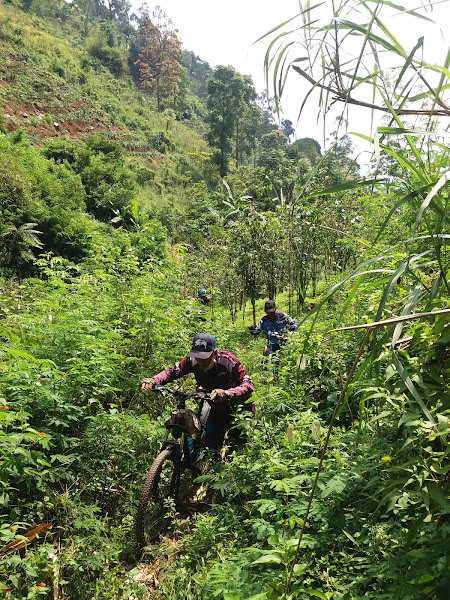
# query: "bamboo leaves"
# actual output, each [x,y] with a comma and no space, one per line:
[426,203]
[412,388]
[345,186]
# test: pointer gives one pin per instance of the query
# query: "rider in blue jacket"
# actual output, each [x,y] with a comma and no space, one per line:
[275,325]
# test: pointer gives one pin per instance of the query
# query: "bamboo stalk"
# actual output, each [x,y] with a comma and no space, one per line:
[394,320]
[56,565]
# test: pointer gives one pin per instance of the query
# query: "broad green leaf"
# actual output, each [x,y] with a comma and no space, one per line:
[4,332]
[362,136]
[422,579]
[381,415]
[407,417]
[370,36]
[437,494]
[403,130]
[392,500]
[18,353]
[428,94]
[267,558]
[279,26]
[279,85]
[336,484]
[314,593]
[408,61]
[390,35]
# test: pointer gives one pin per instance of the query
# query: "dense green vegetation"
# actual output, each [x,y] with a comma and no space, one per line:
[120,195]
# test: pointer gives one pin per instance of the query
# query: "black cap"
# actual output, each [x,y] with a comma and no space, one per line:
[203,345]
[270,306]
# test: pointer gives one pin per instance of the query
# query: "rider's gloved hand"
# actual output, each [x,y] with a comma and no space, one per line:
[147,384]
[251,327]
[219,395]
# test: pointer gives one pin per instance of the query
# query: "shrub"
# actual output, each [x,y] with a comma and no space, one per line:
[60,149]
[112,58]
[15,186]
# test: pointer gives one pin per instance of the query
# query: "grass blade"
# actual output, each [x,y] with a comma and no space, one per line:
[409,306]
[397,205]
[440,184]
[388,289]
[411,387]
[348,185]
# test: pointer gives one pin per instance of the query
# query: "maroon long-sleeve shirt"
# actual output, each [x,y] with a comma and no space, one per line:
[226,374]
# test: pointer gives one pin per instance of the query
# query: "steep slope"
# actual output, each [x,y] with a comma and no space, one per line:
[53,84]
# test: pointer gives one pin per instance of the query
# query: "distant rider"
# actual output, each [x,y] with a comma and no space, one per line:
[221,375]
[202,297]
[275,325]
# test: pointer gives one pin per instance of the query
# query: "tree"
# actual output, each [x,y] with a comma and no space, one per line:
[198,70]
[87,9]
[305,148]
[158,63]
[16,244]
[267,112]
[287,129]
[277,166]
[338,161]
[114,10]
[229,95]
[247,121]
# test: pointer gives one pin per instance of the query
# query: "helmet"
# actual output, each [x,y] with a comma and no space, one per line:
[202,292]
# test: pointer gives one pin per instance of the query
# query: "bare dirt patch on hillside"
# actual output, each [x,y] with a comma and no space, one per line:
[42,121]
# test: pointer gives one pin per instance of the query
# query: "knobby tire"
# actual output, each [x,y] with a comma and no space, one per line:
[154,512]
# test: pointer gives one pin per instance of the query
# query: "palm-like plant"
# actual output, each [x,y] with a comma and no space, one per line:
[348,57]
[351,52]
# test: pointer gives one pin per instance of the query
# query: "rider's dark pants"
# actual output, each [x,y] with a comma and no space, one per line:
[219,420]
[271,356]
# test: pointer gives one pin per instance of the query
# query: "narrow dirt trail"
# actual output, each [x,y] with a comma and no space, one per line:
[151,571]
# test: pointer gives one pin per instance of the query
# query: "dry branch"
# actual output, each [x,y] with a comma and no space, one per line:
[394,320]
[344,96]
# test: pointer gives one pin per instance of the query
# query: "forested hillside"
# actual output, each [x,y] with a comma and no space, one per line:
[132,174]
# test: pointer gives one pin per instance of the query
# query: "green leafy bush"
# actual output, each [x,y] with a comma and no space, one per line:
[111,57]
